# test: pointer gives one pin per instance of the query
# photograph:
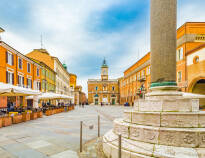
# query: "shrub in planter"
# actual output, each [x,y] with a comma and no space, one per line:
[17,119]
[6,121]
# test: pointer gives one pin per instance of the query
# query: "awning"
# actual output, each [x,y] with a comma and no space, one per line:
[51,96]
[11,90]
[193,95]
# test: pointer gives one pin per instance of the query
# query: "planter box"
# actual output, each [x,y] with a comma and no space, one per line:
[17,119]
[40,114]
[1,122]
[26,117]
[6,121]
[48,112]
[34,115]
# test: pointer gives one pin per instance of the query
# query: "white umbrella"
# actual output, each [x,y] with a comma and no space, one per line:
[51,96]
[11,90]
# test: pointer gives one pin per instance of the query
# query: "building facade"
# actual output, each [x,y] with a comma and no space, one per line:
[62,77]
[103,90]
[136,81]
[190,73]
[73,82]
[80,97]
[18,70]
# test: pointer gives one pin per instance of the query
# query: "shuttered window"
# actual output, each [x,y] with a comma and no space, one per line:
[29,83]
[28,67]
[9,77]
[20,63]
[9,58]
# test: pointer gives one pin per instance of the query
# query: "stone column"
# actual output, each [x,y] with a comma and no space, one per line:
[163,42]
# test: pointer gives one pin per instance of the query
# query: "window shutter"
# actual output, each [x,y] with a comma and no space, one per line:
[40,86]
[7,77]
[12,78]
[7,57]
[18,80]
[12,59]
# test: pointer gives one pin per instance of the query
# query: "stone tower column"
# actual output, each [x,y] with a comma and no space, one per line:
[163,42]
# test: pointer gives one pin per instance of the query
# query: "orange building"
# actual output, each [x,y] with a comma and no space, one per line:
[190,66]
[79,97]
[104,90]
[19,70]
[136,81]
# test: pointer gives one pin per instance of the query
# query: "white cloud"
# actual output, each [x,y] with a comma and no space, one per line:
[64,25]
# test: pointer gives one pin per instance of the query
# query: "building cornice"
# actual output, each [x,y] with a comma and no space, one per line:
[9,48]
[145,64]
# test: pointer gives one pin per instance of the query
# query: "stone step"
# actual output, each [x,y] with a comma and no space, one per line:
[137,149]
[179,137]
[166,119]
[167,105]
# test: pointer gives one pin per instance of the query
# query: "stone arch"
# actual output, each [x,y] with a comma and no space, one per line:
[194,82]
[198,86]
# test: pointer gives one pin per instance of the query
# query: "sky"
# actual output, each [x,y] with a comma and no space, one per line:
[81,33]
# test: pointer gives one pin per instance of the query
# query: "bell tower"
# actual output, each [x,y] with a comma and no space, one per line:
[104,71]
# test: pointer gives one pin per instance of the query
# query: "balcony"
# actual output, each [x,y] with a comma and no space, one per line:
[142,79]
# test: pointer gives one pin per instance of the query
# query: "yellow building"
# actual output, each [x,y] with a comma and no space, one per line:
[103,90]
[136,81]
[48,78]
[73,80]
[53,64]
[190,65]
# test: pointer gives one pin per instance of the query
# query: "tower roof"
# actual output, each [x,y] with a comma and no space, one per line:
[104,63]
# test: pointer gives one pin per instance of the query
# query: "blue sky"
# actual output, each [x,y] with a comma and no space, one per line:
[82,32]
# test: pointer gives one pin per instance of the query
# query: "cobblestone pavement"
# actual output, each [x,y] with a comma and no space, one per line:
[55,136]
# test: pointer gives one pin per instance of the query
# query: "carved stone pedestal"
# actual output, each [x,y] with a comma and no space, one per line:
[164,125]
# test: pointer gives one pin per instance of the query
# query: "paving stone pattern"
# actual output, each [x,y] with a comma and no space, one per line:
[56,136]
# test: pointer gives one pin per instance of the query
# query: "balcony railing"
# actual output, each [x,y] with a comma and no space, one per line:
[142,79]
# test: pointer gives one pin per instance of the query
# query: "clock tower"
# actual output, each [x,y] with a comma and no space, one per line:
[104,71]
